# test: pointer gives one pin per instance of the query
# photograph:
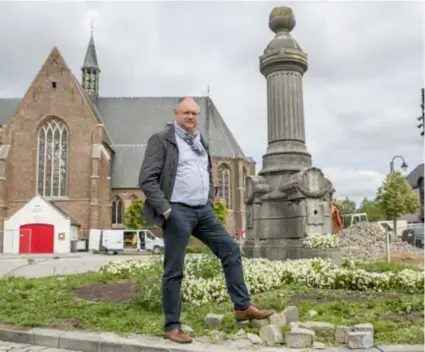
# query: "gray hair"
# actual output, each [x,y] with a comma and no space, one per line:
[187,97]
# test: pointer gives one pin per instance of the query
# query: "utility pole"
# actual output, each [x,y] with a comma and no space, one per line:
[421,118]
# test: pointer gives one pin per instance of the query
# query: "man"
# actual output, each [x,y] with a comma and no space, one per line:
[176,178]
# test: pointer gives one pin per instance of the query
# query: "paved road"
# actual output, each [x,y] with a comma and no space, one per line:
[18,347]
[46,265]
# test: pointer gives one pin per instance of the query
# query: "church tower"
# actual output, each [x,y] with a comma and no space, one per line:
[91,71]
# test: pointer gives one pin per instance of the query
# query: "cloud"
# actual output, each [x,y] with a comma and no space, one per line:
[361,91]
[354,184]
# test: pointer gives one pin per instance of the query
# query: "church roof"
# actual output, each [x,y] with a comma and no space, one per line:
[415,175]
[130,122]
[8,108]
[90,61]
[134,120]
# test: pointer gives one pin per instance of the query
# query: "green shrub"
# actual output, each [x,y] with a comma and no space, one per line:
[198,250]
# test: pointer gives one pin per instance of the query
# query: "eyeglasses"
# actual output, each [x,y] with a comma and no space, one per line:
[188,113]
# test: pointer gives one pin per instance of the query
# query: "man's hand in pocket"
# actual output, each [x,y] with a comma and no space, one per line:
[166,214]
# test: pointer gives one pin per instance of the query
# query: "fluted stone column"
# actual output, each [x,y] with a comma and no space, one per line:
[283,64]
[289,199]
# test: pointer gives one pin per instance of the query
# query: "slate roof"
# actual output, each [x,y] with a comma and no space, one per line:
[126,165]
[129,122]
[90,61]
[8,108]
[415,175]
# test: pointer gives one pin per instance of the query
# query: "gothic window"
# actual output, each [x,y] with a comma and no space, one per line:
[117,211]
[244,175]
[224,184]
[52,163]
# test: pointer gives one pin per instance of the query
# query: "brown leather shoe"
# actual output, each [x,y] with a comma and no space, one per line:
[177,335]
[252,313]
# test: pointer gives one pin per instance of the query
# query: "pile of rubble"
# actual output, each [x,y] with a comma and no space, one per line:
[366,241]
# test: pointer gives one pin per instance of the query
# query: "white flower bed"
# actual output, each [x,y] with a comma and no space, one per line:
[321,241]
[129,267]
[204,282]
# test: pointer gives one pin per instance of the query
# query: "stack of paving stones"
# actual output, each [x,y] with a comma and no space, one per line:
[298,334]
[367,242]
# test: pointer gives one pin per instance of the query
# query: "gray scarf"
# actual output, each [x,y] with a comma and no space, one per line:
[193,140]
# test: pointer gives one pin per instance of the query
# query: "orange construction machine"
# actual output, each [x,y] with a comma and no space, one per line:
[337,217]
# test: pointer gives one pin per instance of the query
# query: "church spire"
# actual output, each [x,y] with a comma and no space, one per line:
[91,70]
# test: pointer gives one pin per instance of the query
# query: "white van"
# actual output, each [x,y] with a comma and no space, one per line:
[119,240]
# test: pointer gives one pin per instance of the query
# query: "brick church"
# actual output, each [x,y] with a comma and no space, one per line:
[79,154]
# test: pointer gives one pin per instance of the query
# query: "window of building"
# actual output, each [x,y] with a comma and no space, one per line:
[244,176]
[52,162]
[117,211]
[224,185]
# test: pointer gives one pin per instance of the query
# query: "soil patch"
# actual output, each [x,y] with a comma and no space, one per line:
[404,258]
[119,293]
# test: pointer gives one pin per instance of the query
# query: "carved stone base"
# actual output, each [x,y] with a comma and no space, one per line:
[291,249]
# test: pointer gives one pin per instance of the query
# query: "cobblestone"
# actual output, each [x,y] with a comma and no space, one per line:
[19,347]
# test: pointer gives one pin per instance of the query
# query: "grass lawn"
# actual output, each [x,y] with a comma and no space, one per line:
[103,302]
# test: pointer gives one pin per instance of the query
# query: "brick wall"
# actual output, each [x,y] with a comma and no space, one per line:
[53,93]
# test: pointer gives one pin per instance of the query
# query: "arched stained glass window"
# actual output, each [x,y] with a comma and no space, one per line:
[52,163]
[117,211]
[224,185]
[244,176]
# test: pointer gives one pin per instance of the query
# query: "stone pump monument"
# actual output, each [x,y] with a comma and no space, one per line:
[289,199]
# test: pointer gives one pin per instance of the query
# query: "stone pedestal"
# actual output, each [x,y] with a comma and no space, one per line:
[289,199]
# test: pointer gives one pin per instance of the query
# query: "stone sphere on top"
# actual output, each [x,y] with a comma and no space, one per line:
[282,22]
[282,19]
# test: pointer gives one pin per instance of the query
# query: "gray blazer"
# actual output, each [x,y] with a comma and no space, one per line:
[158,173]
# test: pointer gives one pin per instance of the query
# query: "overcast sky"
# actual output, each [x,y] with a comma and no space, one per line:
[361,92]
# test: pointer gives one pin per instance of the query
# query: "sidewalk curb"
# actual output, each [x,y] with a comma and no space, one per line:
[108,342]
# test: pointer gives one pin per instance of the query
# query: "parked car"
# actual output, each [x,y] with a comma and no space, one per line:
[414,234]
[121,240]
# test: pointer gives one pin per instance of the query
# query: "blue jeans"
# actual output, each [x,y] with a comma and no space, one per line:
[202,223]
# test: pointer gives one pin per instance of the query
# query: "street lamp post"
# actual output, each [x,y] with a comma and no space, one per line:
[421,119]
[403,165]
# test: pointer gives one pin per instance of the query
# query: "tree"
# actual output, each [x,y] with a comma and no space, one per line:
[346,206]
[132,217]
[395,197]
[220,211]
[372,209]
